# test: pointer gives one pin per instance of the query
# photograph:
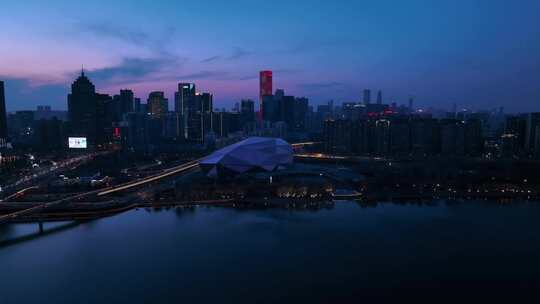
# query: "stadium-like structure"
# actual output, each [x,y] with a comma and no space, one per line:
[249,155]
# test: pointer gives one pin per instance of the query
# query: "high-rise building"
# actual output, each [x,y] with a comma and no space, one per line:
[103,122]
[112,109]
[367,96]
[533,120]
[137,105]
[287,108]
[196,111]
[126,101]
[337,135]
[184,98]
[85,111]
[224,123]
[400,136]
[379,97]
[452,137]
[536,150]
[381,136]
[121,104]
[265,88]
[49,134]
[158,105]
[3,117]
[173,126]
[424,136]
[45,112]
[517,127]
[206,101]
[269,103]
[247,114]
[284,108]
[185,103]
[247,108]
[137,131]
[21,127]
[411,104]
[474,141]
[301,107]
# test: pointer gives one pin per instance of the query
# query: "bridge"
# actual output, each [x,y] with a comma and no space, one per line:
[20,192]
[42,207]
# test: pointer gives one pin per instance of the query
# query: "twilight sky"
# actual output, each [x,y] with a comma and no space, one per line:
[478,54]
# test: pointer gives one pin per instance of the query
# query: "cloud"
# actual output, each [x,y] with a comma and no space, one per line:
[132,69]
[206,75]
[157,42]
[210,59]
[322,85]
[115,32]
[249,77]
[24,94]
[236,54]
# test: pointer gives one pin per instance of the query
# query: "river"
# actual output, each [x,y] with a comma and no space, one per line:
[211,254]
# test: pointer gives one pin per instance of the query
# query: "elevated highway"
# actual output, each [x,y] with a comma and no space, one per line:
[116,189]
[101,192]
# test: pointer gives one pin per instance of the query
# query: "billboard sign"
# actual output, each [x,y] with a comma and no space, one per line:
[77,142]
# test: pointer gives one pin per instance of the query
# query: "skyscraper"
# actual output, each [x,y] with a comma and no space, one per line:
[120,105]
[379,97]
[206,101]
[533,120]
[158,105]
[3,118]
[195,110]
[411,104]
[247,113]
[85,110]
[247,108]
[136,105]
[367,96]
[300,113]
[126,101]
[185,104]
[269,103]
[184,97]
[265,89]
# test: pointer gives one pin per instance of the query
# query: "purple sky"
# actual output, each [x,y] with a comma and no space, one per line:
[478,54]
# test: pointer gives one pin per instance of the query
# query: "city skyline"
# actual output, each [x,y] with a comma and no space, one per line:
[268,151]
[488,59]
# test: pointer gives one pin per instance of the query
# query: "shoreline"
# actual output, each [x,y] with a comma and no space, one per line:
[89,211]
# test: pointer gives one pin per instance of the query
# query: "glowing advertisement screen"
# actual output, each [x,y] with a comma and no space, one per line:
[77,142]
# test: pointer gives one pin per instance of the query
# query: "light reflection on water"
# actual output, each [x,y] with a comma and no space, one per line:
[210,254]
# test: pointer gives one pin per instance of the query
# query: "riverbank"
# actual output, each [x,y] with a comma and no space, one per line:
[91,211]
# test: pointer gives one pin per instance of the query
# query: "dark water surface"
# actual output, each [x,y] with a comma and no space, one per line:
[223,255]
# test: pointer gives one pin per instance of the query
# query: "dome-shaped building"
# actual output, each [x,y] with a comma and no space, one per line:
[249,155]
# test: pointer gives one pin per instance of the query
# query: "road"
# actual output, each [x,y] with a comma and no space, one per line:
[44,206]
[20,192]
[100,192]
[115,189]
[39,174]
[150,179]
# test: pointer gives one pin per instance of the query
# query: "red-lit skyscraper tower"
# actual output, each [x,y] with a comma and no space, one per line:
[265,89]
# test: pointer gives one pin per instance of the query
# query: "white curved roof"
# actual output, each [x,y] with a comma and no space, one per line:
[251,153]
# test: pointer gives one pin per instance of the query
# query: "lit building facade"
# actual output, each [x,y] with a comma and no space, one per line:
[265,78]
